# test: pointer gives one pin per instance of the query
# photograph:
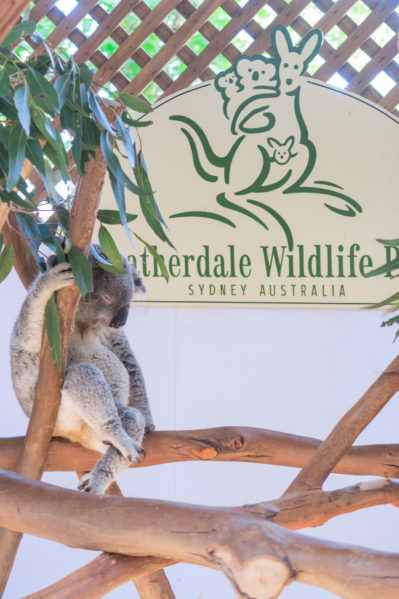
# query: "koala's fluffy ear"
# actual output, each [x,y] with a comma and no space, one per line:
[139,286]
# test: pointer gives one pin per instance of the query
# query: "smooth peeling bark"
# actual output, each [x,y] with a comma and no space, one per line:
[101,576]
[241,444]
[260,558]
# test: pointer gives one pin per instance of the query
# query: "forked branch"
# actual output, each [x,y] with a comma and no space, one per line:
[260,558]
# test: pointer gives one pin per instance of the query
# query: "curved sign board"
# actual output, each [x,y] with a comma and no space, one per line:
[276,188]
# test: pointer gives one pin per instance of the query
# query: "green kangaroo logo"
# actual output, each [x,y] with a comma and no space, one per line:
[261,99]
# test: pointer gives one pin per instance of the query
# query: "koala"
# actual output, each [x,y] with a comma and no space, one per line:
[104,404]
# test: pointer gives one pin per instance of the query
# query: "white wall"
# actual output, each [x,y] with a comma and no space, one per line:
[291,370]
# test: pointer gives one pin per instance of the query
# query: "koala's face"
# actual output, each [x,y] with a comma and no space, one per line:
[109,303]
[255,73]
[227,82]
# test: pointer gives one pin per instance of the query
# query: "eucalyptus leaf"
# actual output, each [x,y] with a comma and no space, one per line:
[6,261]
[135,103]
[42,91]
[134,122]
[119,194]
[77,142]
[17,31]
[126,140]
[1,241]
[158,257]
[21,101]
[12,197]
[82,272]
[4,82]
[53,331]
[62,86]
[34,154]
[384,269]
[16,155]
[112,217]
[99,113]
[105,265]
[110,249]
[114,165]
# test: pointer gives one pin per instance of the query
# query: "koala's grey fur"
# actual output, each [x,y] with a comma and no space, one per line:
[104,404]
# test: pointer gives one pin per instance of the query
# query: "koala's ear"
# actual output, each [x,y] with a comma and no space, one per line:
[51,261]
[139,286]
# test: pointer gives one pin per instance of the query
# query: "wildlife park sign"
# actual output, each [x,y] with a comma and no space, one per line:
[276,189]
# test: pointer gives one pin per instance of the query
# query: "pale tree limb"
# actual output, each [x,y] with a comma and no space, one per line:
[107,572]
[99,577]
[314,508]
[48,391]
[153,585]
[228,443]
[260,558]
[10,14]
[341,438]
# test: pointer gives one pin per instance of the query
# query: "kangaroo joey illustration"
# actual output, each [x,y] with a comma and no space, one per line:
[261,101]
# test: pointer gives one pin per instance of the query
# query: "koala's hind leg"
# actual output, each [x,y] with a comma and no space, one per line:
[112,463]
[85,392]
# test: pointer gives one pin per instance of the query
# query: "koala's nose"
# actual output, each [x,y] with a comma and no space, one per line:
[120,318]
[255,76]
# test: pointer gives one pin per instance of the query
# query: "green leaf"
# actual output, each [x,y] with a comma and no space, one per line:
[158,258]
[119,194]
[135,103]
[99,114]
[21,101]
[112,217]
[42,91]
[1,241]
[53,136]
[34,154]
[85,75]
[81,269]
[62,86]
[16,155]
[385,268]
[126,140]
[114,165]
[105,265]
[53,331]
[59,251]
[12,196]
[6,261]
[385,302]
[147,202]
[17,31]
[133,122]
[111,251]
[91,134]
[4,82]
[77,142]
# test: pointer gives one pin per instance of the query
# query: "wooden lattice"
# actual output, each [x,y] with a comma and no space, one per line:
[363,54]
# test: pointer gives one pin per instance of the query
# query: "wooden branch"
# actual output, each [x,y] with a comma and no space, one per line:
[48,391]
[101,576]
[347,430]
[151,585]
[260,558]
[241,444]
[317,507]
[10,14]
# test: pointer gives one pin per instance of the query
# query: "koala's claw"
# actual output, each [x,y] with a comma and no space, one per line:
[60,275]
[88,484]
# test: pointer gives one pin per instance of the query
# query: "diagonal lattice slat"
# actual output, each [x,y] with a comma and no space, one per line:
[360,54]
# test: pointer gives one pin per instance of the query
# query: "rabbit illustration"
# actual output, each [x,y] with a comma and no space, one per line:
[282,152]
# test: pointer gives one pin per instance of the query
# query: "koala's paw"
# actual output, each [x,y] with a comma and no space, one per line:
[128,448]
[60,276]
[149,427]
[92,483]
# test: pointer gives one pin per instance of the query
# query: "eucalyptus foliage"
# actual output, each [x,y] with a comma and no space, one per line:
[50,115]
[387,269]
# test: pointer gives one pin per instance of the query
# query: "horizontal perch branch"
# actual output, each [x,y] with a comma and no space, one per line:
[242,444]
[260,558]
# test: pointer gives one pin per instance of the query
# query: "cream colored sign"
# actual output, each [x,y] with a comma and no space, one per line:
[275,188]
